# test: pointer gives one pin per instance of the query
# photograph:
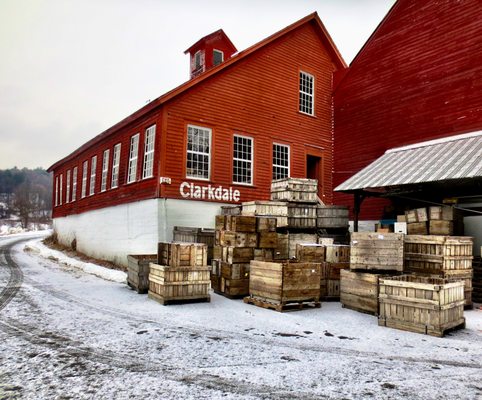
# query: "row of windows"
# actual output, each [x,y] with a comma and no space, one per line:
[198,160]
[147,169]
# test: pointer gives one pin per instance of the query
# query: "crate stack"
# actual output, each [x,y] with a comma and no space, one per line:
[372,256]
[448,257]
[181,274]
[240,239]
[332,222]
[337,258]
[138,271]
[435,220]
[187,234]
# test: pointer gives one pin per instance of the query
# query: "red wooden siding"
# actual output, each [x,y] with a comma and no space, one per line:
[419,77]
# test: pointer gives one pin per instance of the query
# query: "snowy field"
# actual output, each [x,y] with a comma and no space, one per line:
[76,331]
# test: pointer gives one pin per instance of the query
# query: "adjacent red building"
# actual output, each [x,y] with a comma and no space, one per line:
[242,120]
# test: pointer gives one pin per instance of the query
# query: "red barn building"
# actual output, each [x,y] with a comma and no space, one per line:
[242,120]
[417,78]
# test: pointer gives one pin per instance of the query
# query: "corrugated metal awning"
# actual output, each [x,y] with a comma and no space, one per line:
[455,157]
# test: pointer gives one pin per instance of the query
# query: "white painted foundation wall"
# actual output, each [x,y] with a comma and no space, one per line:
[112,233]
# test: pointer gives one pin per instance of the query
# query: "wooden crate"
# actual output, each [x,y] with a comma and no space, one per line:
[464,275]
[231,210]
[310,252]
[138,271]
[265,224]
[217,252]
[284,282]
[417,215]
[182,254]
[330,280]
[235,255]
[263,254]
[337,253]
[432,254]
[376,251]
[220,222]
[444,213]
[281,252]
[276,209]
[240,223]
[332,217]
[420,304]
[235,271]
[233,288]
[237,239]
[268,240]
[301,215]
[295,238]
[295,190]
[359,290]
[196,235]
[437,227]
[417,228]
[173,284]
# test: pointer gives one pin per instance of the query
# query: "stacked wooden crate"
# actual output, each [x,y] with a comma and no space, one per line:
[138,271]
[337,258]
[195,235]
[332,222]
[447,257]
[240,239]
[372,255]
[421,304]
[436,220]
[181,274]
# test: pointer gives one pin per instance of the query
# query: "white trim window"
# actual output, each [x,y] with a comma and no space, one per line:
[85,167]
[115,166]
[133,155]
[281,161]
[307,83]
[105,170]
[242,160]
[218,57]
[60,191]
[198,164]
[56,191]
[148,166]
[93,170]
[67,188]
[74,184]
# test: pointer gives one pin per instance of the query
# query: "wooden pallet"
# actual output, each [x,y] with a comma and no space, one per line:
[283,306]
[179,300]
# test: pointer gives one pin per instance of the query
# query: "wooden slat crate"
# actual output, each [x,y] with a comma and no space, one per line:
[337,253]
[298,237]
[195,235]
[284,282]
[295,190]
[220,222]
[268,240]
[231,210]
[217,252]
[420,304]
[237,239]
[310,252]
[282,249]
[436,227]
[235,255]
[182,254]
[233,288]
[234,271]
[376,251]
[266,224]
[174,284]
[332,216]
[301,215]
[275,209]
[417,215]
[359,291]
[241,223]
[417,228]
[330,280]
[477,280]
[138,271]
[464,275]
[264,254]
[431,254]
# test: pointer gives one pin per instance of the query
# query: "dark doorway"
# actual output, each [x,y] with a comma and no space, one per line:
[313,171]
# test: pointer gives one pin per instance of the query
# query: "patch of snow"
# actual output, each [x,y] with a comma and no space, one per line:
[36,246]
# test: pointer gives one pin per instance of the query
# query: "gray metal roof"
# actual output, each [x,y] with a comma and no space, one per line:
[455,157]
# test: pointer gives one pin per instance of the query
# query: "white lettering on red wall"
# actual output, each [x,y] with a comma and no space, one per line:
[191,191]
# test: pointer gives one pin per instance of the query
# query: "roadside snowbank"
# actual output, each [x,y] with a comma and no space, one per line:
[36,246]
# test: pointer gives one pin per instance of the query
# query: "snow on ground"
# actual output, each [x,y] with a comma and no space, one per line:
[69,334]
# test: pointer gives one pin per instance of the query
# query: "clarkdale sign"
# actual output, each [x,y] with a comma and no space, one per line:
[191,191]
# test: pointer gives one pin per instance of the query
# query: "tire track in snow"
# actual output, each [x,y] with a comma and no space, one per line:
[16,275]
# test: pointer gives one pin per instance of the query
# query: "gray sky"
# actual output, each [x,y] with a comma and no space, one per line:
[69,69]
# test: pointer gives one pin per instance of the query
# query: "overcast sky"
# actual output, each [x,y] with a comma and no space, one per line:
[69,69]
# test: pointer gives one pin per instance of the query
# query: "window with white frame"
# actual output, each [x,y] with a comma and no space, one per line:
[105,170]
[133,154]
[93,169]
[148,166]
[218,57]
[115,166]
[242,159]
[198,152]
[74,184]
[307,82]
[67,188]
[85,166]
[60,189]
[281,161]
[56,191]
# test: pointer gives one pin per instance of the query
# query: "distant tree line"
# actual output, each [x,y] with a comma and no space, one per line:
[26,193]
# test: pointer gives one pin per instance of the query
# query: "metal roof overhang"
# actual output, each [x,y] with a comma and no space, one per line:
[454,161]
